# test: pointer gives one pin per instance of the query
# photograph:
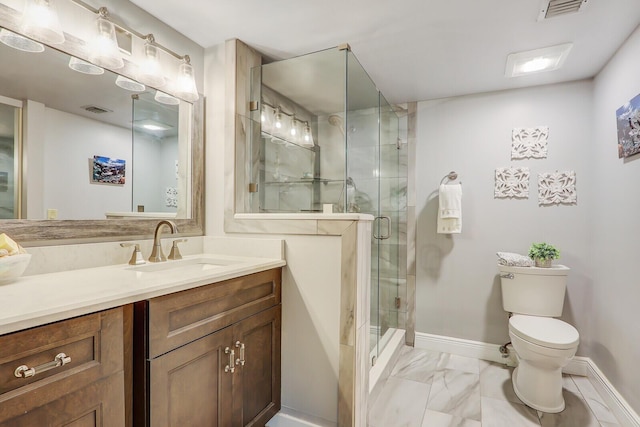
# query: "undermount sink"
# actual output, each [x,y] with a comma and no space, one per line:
[191,264]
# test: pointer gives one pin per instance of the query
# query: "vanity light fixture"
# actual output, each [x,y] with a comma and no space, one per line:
[19,42]
[150,72]
[40,22]
[186,83]
[165,98]
[128,84]
[104,50]
[84,67]
[40,26]
[307,135]
[278,119]
[283,130]
[538,60]
[266,117]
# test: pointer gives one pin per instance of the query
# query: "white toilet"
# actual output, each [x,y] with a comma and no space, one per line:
[543,345]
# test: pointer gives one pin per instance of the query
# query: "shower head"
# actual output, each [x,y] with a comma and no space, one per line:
[335,120]
[351,183]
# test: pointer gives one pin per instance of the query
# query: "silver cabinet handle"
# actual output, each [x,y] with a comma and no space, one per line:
[241,360]
[507,276]
[388,233]
[232,356]
[23,371]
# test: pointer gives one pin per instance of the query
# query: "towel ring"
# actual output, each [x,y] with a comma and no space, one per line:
[451,176]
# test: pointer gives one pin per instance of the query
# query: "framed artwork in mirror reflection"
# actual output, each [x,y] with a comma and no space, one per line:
[106,170]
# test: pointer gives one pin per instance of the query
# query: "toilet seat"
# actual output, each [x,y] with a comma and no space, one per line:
[544,331]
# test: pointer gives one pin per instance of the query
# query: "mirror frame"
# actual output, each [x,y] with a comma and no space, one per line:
[29,232]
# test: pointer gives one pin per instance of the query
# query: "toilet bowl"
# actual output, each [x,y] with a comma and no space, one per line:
[543,346]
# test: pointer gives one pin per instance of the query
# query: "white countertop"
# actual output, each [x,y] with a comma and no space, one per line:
[36,300]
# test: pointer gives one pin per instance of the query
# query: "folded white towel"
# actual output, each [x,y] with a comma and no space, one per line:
[514,260]
[450,209]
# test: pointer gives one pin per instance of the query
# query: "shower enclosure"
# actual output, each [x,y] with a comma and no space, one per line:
[330,141]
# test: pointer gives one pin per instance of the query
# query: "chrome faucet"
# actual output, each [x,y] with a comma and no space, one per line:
[156,254]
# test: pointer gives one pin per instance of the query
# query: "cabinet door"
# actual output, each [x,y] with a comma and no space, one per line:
[100,404]
[257,382]
[189,385]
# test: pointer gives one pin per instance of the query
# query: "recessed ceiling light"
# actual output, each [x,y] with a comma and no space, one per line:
[537,61]
[153,125]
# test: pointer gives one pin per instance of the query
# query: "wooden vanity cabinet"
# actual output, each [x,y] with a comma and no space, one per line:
[209,356]
[87,390]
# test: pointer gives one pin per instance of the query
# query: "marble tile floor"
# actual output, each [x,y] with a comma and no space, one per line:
[432,389]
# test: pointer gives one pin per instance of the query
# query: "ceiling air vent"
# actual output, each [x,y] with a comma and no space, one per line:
[95,109]
[552,8]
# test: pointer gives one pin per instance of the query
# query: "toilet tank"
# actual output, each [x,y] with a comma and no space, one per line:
[534,291]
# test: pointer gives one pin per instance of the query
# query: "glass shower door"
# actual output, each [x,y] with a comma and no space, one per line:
[389,225]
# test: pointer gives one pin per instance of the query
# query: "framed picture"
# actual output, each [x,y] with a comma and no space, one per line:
[108,171]
[628,119]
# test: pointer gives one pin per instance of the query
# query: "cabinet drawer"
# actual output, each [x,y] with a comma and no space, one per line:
[99,404]
[177,319]
[93,342]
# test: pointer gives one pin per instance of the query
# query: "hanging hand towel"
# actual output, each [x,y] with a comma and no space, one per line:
[450,209]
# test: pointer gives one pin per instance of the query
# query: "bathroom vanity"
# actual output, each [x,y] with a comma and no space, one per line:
[211,355]
[190,342]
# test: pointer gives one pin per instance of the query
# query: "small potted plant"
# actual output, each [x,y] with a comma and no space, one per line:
[543,254]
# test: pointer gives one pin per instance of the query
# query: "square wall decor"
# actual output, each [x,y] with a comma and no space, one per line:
[512,183]
[628,121]
[556,188]
[529,142]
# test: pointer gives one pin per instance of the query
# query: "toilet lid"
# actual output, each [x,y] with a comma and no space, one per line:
[544,331]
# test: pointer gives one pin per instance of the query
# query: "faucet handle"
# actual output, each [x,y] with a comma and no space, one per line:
[175,250]
[136,256]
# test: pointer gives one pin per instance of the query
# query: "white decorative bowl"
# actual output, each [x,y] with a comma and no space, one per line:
[12,267]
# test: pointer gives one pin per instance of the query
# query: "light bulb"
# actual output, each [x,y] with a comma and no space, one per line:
[266,118]
[104,47]
[535,64]
[307,136]
[40,22]
[19,42]
[84,67]
[165,98]
[150,72]
[129,84]
[293,131]
[186,83]
[278,119]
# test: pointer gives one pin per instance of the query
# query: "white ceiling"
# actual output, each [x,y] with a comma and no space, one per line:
[414,49]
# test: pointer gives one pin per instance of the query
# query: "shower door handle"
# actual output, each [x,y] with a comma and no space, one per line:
[376,222]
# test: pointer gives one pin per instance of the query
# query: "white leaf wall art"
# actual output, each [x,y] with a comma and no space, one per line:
[171,197]
[556,188]
[512,183]
[529,142]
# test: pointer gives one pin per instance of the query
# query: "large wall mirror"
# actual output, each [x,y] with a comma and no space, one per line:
[84,159]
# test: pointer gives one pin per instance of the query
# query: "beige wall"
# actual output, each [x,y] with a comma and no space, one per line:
[614,341]
[458,290]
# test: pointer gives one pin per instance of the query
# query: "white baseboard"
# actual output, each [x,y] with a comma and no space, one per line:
[461,347]
[618,405]
[582,366]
